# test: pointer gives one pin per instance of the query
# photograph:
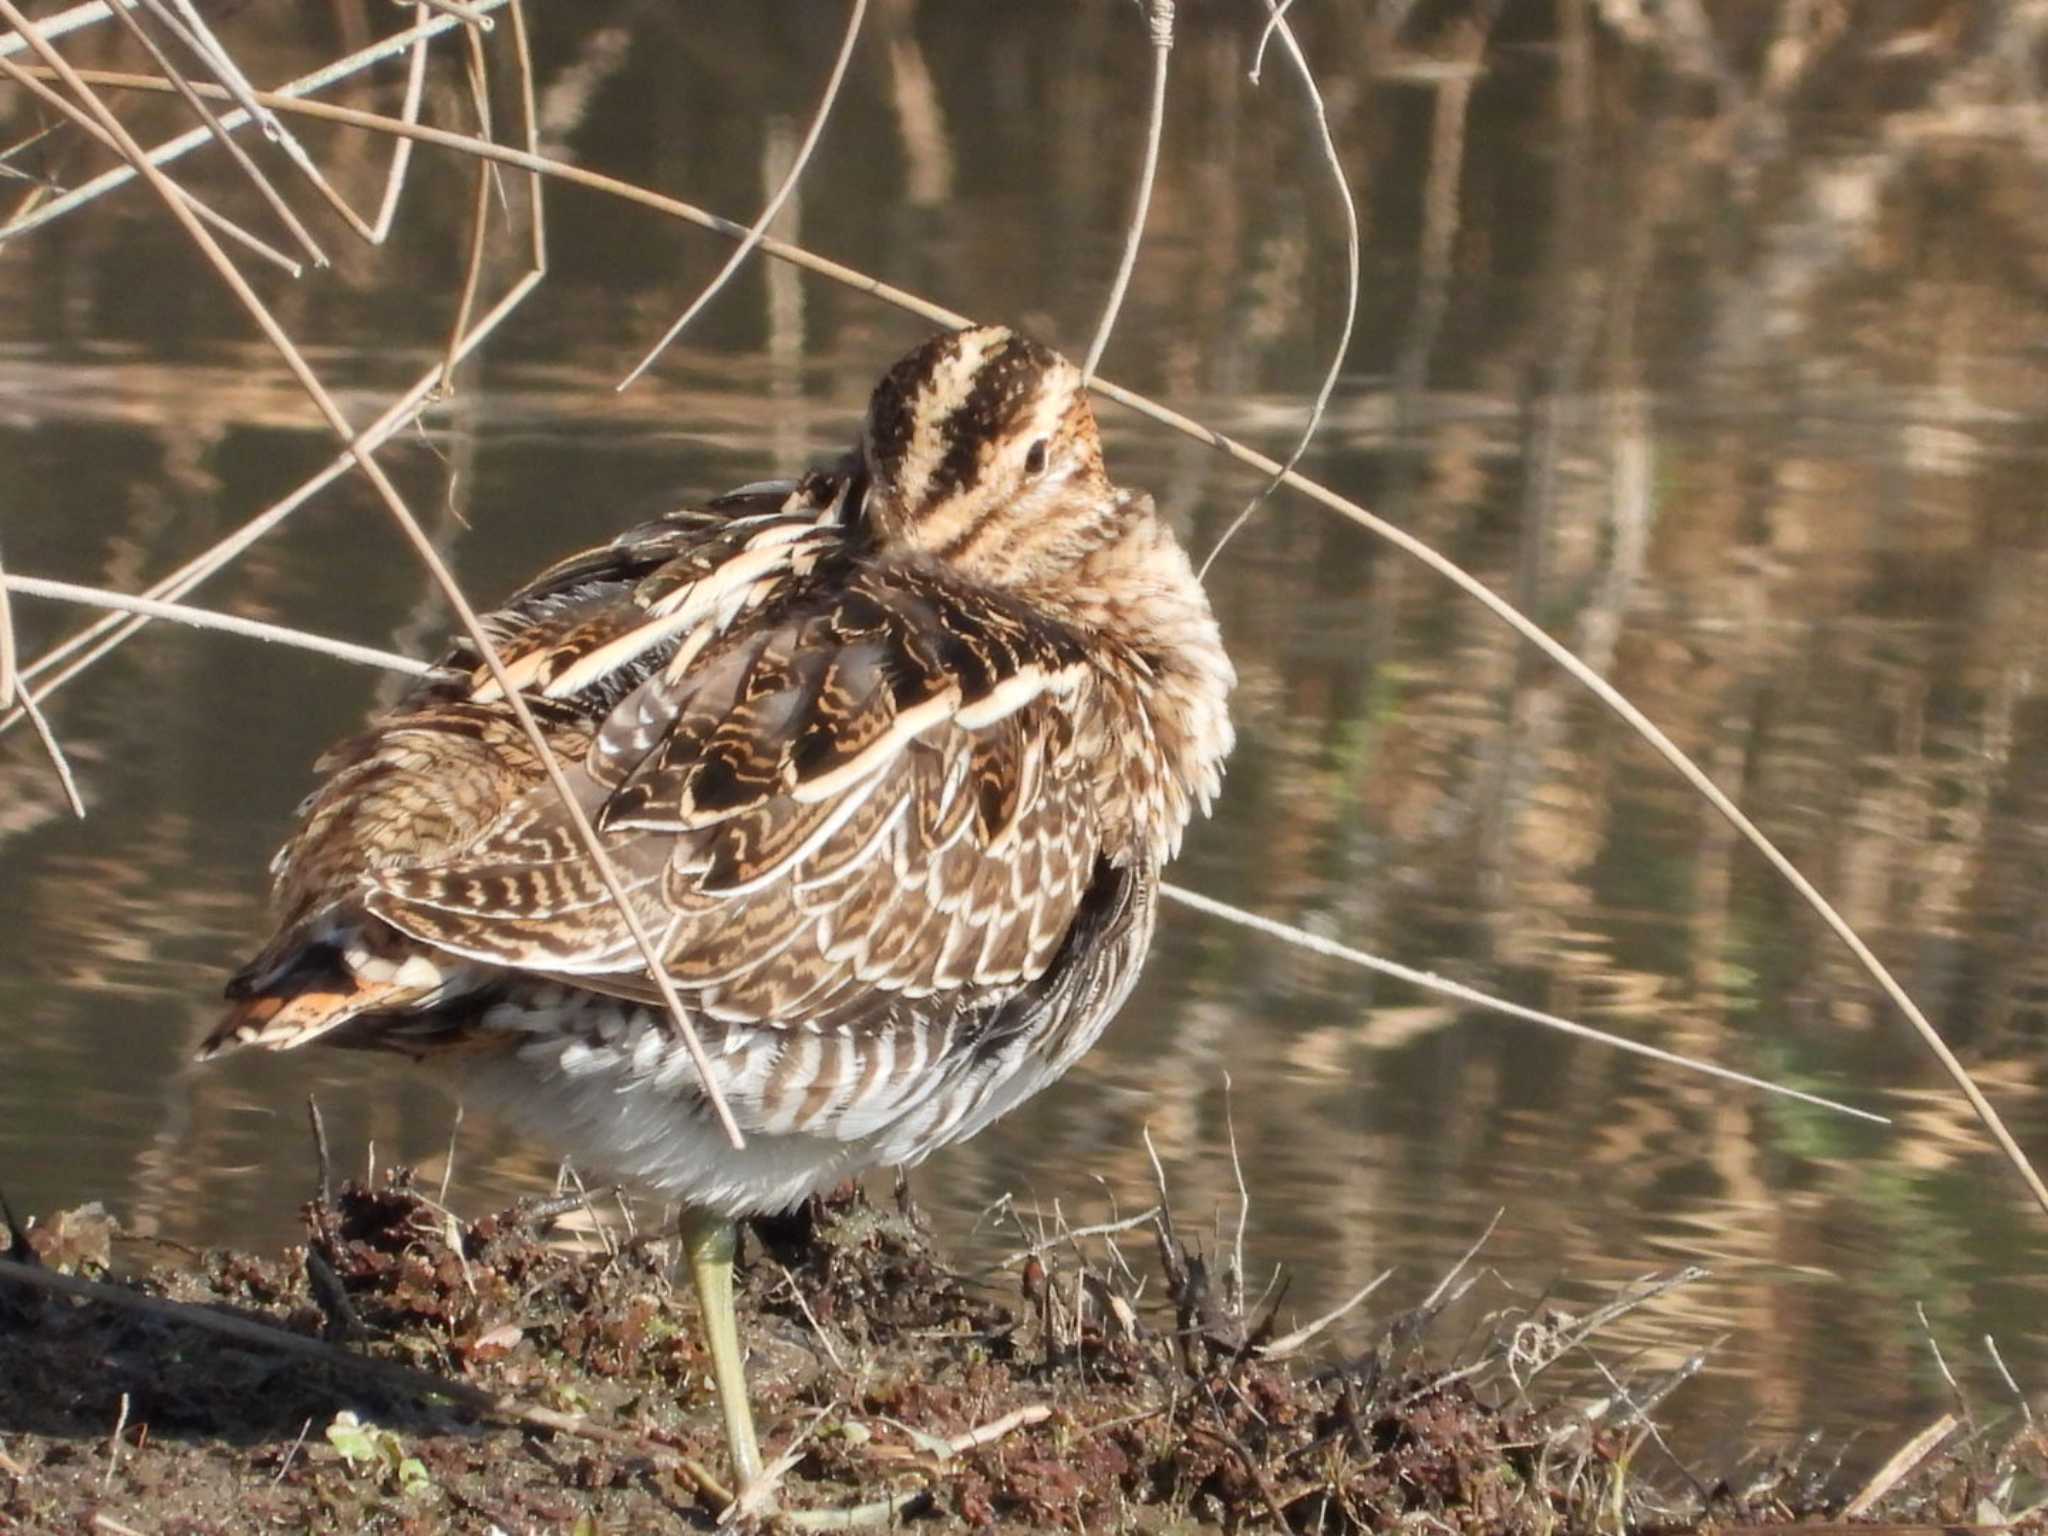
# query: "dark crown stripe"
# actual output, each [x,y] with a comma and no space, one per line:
[894,411]
[1005,387]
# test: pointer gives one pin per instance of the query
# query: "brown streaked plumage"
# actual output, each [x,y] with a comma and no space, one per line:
[889,761]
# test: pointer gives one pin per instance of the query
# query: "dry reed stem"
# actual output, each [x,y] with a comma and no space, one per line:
[226,140]
[1275,18]
[529,120]
[111,633]
[1074,1236]
[55,753]
[1293,1343]
[774,204]
[99,639]
[61,23]
[1234,1280]
[536,201]
[468,15]
[1159,24]
[119,176]
[8,653]
[424,548]
[2005,1375]
[78,119]
[114,1446]
[214,620]
[1416,549]
[1277,21]
[191,29]
[1902,1462]
[480,212]
[401,152]
[1430,982]
[1551,1345]
[1443,1286]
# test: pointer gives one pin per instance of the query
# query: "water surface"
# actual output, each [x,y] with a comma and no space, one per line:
[1729,375]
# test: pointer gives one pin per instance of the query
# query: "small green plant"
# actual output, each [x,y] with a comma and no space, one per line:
[364,1445]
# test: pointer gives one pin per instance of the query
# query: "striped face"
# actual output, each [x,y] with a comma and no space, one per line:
[981,450]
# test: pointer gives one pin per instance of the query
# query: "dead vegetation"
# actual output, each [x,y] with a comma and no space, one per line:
[411,1370]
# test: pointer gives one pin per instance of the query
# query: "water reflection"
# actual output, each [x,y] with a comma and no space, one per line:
[1724,361]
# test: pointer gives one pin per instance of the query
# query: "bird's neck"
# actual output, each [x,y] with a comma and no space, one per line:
[1139,592]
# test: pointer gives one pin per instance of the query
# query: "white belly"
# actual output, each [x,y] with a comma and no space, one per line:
[618,1096]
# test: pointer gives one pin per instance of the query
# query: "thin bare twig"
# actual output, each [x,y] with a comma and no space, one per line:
[1443,1286]
[323,1188]
[13,172]
[292,1454]
[101,637]
[64,21]
[468,15]
[1331,949]
[803,1305]
[8,654]
[1555,1343]
[182,18]
[1941,1362]
[480,212]
[995,1429]
[226,140]
[1640,1409]
[1074,1235]
[210,619]
[1276,15]
[1235,1280]
[58,761]
[2026,1408]
[1293,1343]
[1159,23]
[183,144]
[401,151]
[529,123]
[448,1168]
[774,205]
[1220,1432]
[27,80]
[114,1446]
[1903,1461]
[1276,20]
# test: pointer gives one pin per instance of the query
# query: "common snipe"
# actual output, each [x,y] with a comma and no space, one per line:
[890,759]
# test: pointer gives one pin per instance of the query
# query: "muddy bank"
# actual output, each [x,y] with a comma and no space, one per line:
[408,1370]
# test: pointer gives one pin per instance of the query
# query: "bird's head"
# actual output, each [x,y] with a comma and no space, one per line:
[981,451]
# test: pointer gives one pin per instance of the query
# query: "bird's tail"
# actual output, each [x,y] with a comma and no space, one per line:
[294,994]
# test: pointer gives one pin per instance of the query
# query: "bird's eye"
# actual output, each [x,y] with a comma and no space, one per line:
[1034,458]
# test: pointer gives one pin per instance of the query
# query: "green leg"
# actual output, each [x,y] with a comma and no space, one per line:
[710,1242]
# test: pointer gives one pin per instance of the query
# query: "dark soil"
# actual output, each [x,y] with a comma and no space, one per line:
[481,1375]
